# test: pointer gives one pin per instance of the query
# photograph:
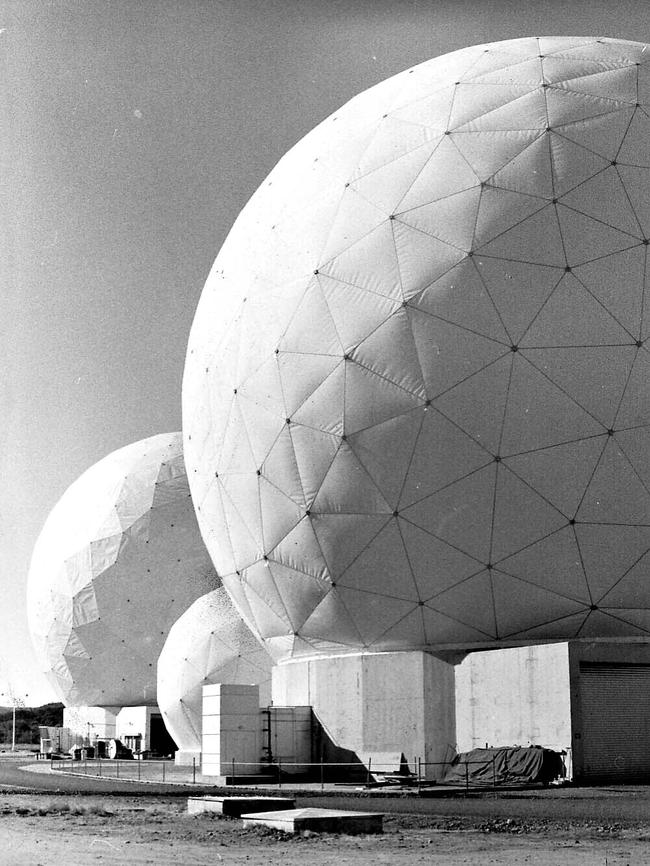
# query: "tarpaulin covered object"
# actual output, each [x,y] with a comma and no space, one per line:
[208,644]
[416,401]
[506,765]
[119,559]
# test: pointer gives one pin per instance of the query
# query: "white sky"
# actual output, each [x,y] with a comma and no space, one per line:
[132,135]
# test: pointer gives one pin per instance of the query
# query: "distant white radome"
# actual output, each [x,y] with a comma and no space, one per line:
[208,644]
[119,559]
[417,390]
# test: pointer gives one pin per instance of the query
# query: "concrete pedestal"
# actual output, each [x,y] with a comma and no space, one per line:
[377,704]
[231,730]
[518,695]
[318,821]
[235,807]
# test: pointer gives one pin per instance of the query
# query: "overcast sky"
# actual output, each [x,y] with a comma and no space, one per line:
[133,133]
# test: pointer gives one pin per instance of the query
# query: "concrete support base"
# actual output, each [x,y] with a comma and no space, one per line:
[235,807]
[376,705]
[514,696]
[318,821]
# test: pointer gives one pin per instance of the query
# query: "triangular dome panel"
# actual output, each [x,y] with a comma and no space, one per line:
[540,414]
[617,281]
[529,172]
[449,354]
[311,328]
[489,150]
[390,353]
[356,313]
[477,405]
[609,552]
[371,399]
[460,514]
[451,219]
[460,297]
[469,602]
[444,454]
[616,493]
[352,265]
[445,173]
[386,450]
[588,239]
[343,537]
[348,489]
[520,605]
[314,452]
[635,405]
[553,563]
[501,209]
[422,258]
[386,186]
[579,372]
[560,473]
[383,567]
[324,409]
[435,565]
[536,239]
[521,516]
[602,135]
[518,290]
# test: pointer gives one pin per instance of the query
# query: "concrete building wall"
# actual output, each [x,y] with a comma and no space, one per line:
[518,696]
[376,704]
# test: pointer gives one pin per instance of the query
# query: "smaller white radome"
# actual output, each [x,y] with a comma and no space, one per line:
[119,559]
[209,644]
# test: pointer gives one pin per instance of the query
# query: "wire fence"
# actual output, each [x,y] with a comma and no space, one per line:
[457,774]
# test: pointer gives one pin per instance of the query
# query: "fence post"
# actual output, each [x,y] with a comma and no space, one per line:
[279,773]
[117,769]
[369,771]
[194,771]
[99,765]
[139,762]
[163,778]
[419,772]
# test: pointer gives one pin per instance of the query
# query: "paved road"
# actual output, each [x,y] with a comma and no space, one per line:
[16,780]
[629,805]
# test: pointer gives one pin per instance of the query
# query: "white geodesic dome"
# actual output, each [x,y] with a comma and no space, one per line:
[416,397]
[119,559]
[209,644]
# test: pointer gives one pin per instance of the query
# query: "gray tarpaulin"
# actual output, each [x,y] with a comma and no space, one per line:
[505,766]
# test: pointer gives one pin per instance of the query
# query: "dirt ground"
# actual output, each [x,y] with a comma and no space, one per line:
[77,831]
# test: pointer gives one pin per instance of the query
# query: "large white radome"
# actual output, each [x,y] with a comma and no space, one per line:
[209,644]
[416,399]
[119,559]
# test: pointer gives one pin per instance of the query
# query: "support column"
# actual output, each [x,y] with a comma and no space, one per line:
[377,704]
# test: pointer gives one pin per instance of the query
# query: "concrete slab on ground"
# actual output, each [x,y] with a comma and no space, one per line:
[318,821]
[236,806]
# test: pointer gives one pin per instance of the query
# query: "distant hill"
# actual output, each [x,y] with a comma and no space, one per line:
[28,720]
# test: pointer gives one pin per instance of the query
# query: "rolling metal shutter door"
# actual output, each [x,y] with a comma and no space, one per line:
[615,701]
